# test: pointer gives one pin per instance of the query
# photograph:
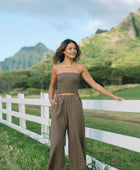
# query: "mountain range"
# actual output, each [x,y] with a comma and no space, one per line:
[118,47]
[26,57]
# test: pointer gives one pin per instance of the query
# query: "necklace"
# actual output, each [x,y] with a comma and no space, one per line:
[68,65]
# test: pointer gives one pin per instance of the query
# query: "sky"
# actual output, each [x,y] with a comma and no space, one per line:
[28,22]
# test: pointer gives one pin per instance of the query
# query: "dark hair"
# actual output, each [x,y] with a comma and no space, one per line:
[59,54]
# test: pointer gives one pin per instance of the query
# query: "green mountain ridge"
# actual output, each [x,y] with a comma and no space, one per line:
[118,47]
[112,57]
[25,58]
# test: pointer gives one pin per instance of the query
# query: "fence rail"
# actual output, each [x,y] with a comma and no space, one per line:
[132,143]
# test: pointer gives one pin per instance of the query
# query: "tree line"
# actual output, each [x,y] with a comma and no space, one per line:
[104,75]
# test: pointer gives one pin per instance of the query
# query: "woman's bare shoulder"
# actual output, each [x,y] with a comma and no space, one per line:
[80,66]
[56,67]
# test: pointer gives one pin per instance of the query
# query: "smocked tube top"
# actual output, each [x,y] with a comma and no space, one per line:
[67,82]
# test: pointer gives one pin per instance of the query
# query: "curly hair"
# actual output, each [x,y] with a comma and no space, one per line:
[59,54]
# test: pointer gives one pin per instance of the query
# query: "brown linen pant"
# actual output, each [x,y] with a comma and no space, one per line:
[67,114]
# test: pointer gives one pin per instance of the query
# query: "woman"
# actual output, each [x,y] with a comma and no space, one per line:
[67,112]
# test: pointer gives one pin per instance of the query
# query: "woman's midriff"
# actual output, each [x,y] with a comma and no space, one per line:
[65,93]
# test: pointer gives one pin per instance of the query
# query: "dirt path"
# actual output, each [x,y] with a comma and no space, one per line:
[119,116]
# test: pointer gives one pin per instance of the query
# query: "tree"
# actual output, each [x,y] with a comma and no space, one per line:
[99,31]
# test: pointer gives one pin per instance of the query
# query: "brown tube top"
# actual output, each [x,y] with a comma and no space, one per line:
[67,82]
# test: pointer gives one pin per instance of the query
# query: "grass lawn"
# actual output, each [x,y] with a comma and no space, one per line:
[128,91]
[120,158]
[18,152]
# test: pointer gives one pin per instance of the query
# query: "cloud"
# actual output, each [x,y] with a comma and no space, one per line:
[61,11]
[130,1]
[92,26]
[69,8]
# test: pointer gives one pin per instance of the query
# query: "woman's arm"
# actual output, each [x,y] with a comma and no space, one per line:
[87,77]
[52,86]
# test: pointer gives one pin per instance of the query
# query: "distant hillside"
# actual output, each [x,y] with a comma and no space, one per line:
[118,47]
[112,57]
[25,58]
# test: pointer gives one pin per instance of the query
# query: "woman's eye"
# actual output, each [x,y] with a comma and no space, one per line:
[72,48]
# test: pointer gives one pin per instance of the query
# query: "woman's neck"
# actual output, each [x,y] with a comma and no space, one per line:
[68,61]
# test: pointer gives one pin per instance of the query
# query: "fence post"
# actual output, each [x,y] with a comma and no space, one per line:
[0,108]
[66,146]
[8,107]
[45,116]
[22,111]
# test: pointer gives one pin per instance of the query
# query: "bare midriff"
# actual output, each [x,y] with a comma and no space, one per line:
[65,93]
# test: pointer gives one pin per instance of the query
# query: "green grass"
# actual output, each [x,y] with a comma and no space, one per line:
[120,158]
[112,155]
[129,92]
[115,126]
[18,151]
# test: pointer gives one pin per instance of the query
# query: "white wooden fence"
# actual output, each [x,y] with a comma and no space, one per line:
[132,143]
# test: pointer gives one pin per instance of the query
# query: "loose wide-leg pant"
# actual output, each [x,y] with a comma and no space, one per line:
[67,114]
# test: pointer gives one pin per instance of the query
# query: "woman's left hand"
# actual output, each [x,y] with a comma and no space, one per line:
[118,98]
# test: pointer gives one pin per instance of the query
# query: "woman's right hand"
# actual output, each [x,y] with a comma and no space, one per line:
[52,102]
[118,98]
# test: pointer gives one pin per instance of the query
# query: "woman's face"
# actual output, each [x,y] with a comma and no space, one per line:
[70,51]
